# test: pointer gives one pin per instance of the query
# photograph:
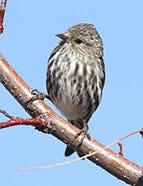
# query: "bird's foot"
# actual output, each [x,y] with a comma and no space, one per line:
[36,95]
[82,132]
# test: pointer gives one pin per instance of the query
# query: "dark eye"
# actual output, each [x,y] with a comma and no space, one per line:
[92,39]
[78,41]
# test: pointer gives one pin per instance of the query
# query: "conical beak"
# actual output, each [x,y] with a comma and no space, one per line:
[63,36]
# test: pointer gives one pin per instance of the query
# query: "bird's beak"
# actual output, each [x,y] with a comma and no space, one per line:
[63,36]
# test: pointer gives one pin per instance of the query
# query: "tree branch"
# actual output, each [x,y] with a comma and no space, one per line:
[36,122]
[2,12]
[61,129]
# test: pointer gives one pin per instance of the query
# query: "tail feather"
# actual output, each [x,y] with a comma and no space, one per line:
[69,151]
[81,124]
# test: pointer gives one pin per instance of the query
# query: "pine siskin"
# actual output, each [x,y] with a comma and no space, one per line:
[75,75]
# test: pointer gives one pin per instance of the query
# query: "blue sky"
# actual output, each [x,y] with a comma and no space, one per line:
[27,42]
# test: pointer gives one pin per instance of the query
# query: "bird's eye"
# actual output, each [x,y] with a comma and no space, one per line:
[92,39]
[78,41]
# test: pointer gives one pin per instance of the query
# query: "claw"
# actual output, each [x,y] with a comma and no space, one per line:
[36,95]
[83,131]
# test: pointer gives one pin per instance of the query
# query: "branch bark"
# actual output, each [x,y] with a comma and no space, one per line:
[2,13]
[112,162]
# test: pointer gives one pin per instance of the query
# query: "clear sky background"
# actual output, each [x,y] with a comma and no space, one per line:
[29,37]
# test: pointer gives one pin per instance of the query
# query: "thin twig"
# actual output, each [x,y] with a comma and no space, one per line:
[2,13]
[80,158]
[120,148]
[6,114]
[141,132]
[14,121]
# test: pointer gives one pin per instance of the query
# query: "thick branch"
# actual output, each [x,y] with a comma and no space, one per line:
[105,158]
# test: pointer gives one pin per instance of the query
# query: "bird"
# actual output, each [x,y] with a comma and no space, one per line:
[76,75]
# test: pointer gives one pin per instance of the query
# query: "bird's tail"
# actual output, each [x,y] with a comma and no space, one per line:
[69,151]
[78,124]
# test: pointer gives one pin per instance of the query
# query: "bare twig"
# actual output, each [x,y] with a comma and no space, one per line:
[117,165]
[80,158]
[14,121]
[6,114]
[141,132]
[120,148]
[2,13]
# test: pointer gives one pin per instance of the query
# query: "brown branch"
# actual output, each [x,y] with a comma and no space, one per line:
[36,122]
[115,164]
[2,13]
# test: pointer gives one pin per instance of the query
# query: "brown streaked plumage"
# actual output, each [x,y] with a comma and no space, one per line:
[75,75]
